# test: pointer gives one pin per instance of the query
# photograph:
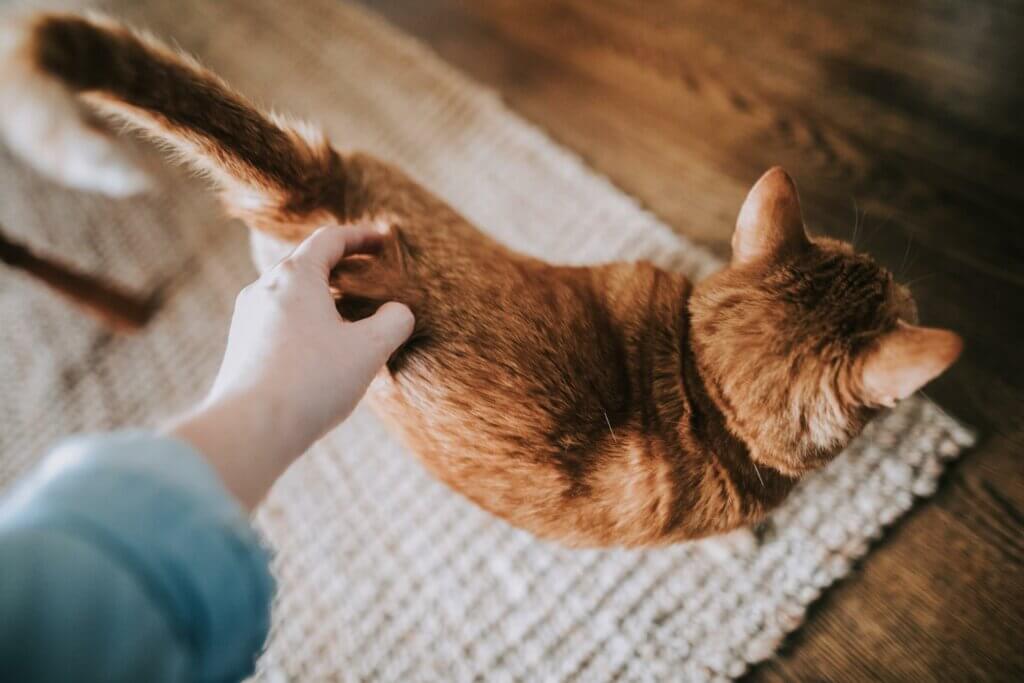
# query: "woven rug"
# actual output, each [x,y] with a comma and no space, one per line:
[385,574]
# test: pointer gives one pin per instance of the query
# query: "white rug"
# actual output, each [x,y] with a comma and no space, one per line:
[385,574]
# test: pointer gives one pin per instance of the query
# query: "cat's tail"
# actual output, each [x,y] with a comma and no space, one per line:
[276,175]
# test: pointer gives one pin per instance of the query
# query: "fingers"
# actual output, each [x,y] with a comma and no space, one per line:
[386,330]
[325,247]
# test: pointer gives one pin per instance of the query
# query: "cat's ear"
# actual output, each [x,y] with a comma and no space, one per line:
[905,360]
[770,223]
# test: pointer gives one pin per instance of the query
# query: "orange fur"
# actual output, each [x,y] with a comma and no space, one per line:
[609,405]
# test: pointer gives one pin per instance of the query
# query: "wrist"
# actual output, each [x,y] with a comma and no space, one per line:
[243,437]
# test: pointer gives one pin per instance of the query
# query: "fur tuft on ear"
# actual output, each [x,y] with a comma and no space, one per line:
[770,223]
[905,360]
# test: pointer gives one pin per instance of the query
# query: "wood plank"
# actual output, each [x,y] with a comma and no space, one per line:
[900,123]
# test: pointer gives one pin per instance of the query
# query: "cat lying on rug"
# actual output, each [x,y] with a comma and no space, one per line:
[610,405]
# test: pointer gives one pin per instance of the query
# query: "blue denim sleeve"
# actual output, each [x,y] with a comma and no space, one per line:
[123,558]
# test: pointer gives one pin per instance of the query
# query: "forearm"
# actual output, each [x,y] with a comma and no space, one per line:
[125,559]
[245,438]
[131,557]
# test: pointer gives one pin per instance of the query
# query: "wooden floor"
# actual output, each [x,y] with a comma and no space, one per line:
[903,126]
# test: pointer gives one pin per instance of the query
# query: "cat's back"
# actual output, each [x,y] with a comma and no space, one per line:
[533,399]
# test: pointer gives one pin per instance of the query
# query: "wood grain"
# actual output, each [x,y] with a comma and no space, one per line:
[901,124]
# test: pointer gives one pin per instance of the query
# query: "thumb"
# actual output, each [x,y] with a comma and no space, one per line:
[387,329]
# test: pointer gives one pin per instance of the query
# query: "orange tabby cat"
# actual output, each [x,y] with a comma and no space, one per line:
[611,405]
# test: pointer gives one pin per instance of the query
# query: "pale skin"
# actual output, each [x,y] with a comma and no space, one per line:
[292,370]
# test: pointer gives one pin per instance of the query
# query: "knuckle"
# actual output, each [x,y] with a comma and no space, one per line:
[281,275]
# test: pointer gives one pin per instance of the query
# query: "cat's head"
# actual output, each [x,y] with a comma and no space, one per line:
[801,339]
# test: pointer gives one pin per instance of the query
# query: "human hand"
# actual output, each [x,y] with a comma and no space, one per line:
[293,369]
[289,349]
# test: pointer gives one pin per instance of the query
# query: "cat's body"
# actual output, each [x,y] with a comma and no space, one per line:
[612,405]
[564,399]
